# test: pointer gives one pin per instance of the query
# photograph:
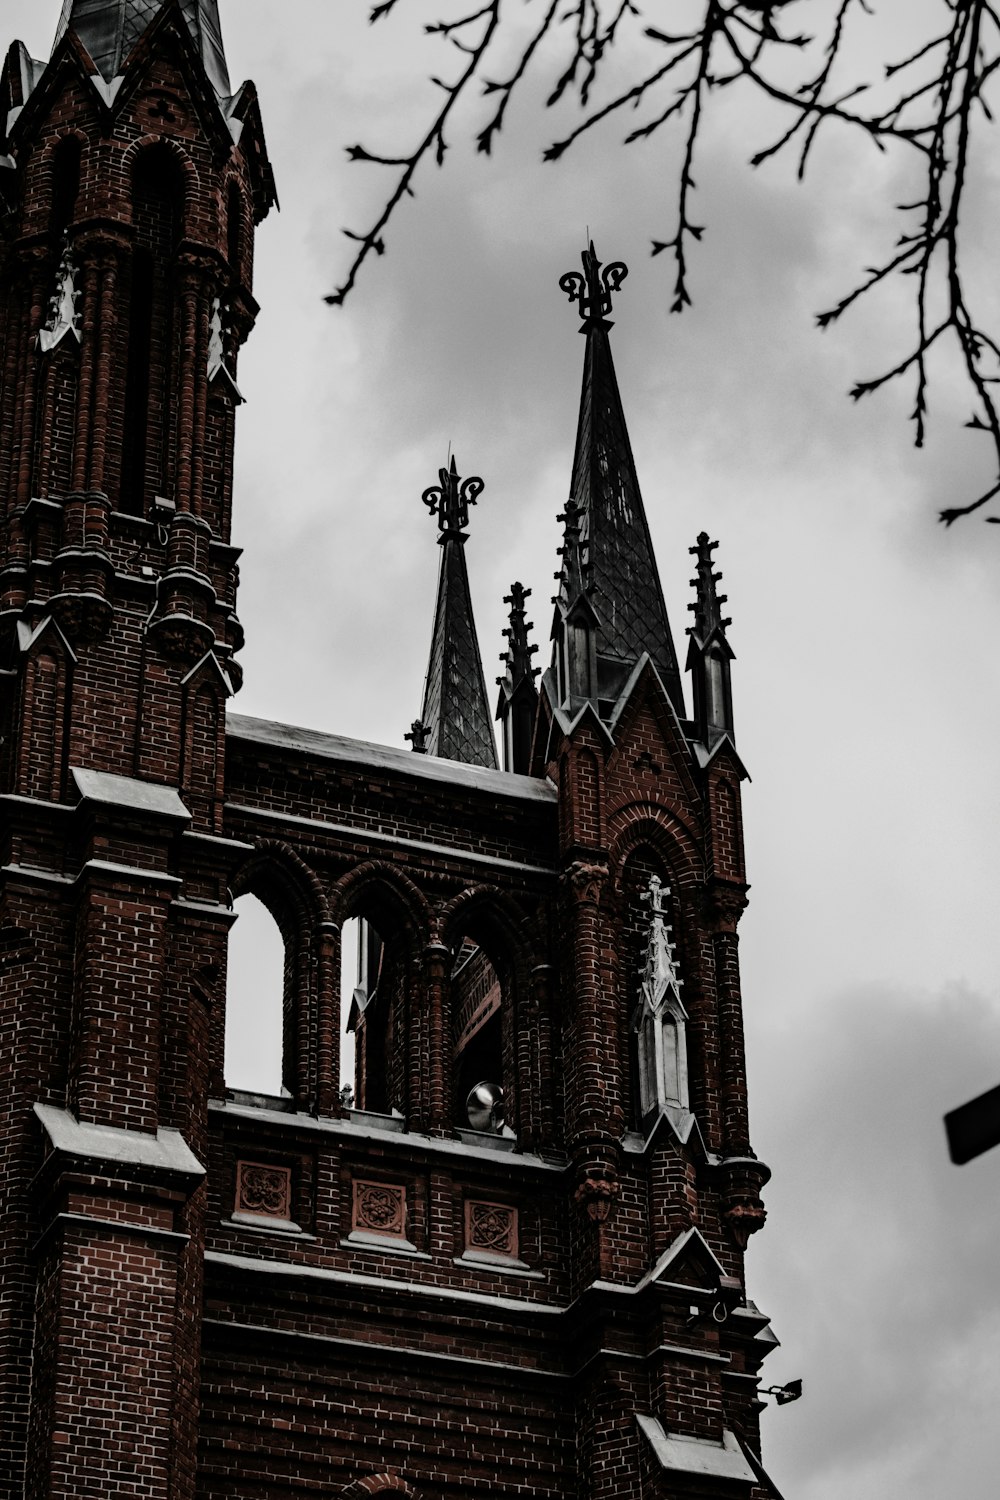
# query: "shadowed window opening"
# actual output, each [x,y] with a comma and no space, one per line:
[156,213]
[65,183]
[477,1004]
[255,985]
[370,1019]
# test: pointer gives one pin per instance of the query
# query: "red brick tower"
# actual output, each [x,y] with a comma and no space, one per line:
[504,1256]
[131,178]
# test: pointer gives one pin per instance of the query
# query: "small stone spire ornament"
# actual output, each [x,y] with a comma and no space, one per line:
[592,290]
[518,703]
[709,652]
[660,1017]
[450,500]
[63,315]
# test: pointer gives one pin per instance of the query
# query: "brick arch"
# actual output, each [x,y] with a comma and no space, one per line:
[390,1482]
[288,887]
[374,886]
[191,181]
[673,838]
[492,918]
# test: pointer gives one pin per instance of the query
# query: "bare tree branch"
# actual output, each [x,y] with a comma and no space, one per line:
[939,100]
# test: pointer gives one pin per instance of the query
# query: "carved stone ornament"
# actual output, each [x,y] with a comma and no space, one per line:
[726,904]
[586,881]
[63,317]
[491,1228]
[744,1219]
[82,617]
[379,1208]
[597,1195]
[182,637]
[659,1019]
[263,1190]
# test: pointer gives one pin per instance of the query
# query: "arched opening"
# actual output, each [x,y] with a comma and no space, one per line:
[157,213]
[255,987]
[479,1071]
[372,1064]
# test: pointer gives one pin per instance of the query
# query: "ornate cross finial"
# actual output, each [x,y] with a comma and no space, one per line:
[418,736]
[654,896]
[706,607]
[660,978]
[593,289]
[450,500]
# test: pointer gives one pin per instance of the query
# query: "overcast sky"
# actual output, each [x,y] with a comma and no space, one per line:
[867,685]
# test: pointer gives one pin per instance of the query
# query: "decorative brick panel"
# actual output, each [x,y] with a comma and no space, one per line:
[379,1208]
[491,1229]
[263,1190]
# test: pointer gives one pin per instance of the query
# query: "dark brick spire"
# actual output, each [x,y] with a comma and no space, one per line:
[109,29]
[455,716]
[622,578]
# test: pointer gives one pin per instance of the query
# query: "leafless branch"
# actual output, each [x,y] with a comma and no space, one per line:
[939,100]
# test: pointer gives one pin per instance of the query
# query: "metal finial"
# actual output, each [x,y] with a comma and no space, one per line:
[450,500]
[593,288]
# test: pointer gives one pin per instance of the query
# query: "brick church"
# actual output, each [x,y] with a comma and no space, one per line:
[500,1253]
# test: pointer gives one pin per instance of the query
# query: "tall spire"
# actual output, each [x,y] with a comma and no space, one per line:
[455,718]
[109,29]
[622,578]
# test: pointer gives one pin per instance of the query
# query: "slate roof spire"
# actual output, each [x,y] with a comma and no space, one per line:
[109,29]
[623,583]
[455,719]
